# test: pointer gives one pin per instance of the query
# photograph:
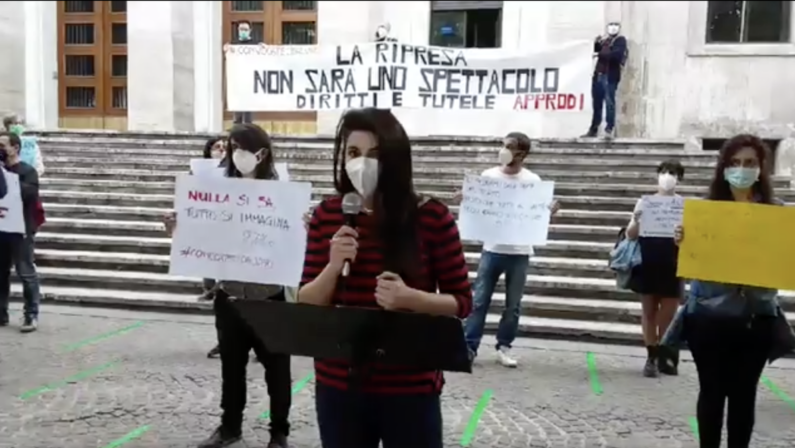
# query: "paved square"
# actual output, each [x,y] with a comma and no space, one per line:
[112,378]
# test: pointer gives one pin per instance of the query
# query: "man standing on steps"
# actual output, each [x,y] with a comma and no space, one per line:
[17,250]
[499,259]
[243,37]
[610,52]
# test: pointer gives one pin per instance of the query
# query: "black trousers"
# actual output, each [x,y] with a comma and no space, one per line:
[362,420]
[730,355]
[236,344]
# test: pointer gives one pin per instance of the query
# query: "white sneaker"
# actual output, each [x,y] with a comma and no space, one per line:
[504,357]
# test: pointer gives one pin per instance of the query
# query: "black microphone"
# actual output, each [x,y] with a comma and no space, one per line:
[351,206]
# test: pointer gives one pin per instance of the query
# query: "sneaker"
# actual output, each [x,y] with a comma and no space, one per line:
[3,320]
[504,357]
[589,134]
[29,325]
[278,441]
[667,363]
[207,296]
[610,134]
[220,439]
[214,353]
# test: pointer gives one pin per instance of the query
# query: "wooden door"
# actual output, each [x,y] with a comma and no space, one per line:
[92,64]
[274,23]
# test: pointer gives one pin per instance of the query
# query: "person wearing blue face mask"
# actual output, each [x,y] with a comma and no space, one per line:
[730,328]
[244,36]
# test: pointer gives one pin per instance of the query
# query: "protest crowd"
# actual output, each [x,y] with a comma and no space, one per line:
[379,246]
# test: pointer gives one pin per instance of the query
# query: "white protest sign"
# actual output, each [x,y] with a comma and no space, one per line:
[240,229]
[11,218]
[281,170]
[660,215]
[206,167]
[397,75]
[503,211]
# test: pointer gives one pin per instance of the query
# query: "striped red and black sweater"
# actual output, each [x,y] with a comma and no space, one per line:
[441,253]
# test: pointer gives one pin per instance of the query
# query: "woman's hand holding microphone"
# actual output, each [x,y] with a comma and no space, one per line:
[344,245]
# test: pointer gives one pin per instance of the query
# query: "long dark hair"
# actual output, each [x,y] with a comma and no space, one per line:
[720,190]
[251,138]
[395,203]
[208,147]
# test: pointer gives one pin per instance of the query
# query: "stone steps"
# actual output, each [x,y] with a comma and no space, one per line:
[105,196]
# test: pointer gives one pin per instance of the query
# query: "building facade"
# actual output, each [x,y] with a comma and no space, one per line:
[697,70]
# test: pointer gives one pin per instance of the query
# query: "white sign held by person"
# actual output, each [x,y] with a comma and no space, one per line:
[11,217]
[206,168]
[397,75]
[501,211]
[240,229]
[659,215]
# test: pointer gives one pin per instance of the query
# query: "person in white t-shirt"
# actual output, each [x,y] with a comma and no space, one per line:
[499,259]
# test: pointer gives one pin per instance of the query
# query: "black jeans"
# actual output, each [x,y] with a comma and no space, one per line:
[237,342]
[353,420]
[730,354]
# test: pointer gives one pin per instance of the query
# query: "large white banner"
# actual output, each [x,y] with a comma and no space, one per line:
[397,75]
[11,217]
[240,229]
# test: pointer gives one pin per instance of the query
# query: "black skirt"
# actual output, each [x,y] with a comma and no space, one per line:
[656,276]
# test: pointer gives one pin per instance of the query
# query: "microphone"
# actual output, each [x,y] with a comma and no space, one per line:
[351,206]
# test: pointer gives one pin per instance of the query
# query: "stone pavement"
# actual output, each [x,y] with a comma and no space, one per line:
[75,384]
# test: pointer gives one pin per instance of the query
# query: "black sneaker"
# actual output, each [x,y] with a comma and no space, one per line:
[589,134]
[29,324]
[3,320]
[220,439]
[214,353]
[650,369]
[278,441]
[667,363]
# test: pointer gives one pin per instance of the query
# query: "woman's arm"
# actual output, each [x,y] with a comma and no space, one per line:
[633,229]
[319,280]
[448,264]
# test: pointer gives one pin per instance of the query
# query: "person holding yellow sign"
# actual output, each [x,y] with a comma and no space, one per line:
[730,328]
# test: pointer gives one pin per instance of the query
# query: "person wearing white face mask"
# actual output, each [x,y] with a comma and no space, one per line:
[499,259]
[611,55]
[249,155]
[655,279]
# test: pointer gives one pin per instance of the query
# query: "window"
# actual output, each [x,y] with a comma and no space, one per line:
[273,23]
[92,53]
[473,28]
[748,21]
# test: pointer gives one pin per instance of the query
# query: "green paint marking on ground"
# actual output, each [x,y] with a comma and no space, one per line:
[596,386]
[129,437]
[297,387]
[778,392]
[474,420]
[694,427]
[102,337]
[72,379]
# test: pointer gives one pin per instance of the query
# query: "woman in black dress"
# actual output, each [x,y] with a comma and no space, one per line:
[655,279]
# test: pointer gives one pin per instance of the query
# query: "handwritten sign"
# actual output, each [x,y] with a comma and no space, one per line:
[738,243]
[240,229]
[502,211]
[206,167]
[281,170]
[660,215]
[11,218]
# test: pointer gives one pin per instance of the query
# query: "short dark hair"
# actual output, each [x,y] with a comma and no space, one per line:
[12,138]
[522,140]
[672,166]
[9,120]
[208,147]
[252,138]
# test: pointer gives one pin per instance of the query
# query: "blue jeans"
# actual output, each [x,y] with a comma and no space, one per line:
[17,252]
[603,94]
[492,265]
[362,420]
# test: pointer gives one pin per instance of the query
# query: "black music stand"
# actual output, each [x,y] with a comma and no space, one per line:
[358,335]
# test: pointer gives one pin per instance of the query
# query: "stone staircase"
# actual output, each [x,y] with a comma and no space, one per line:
[105,195]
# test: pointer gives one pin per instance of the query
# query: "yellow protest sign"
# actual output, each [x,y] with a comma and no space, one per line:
[738,243]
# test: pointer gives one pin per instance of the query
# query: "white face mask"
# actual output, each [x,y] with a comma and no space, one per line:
[505,156]
[363,173]
[613,29]
[667,181]
[245,162]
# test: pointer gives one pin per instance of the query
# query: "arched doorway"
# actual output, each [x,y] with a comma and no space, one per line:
[275,23]
[92,64]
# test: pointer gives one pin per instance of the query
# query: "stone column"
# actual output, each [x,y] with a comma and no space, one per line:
[207,66]
[150,66]
[41,95]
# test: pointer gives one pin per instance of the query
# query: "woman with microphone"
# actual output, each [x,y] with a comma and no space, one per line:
[399,251]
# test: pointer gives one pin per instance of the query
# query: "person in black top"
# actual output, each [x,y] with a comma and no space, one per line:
[244,37]
[17,250]
[655,279]
[611,54]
